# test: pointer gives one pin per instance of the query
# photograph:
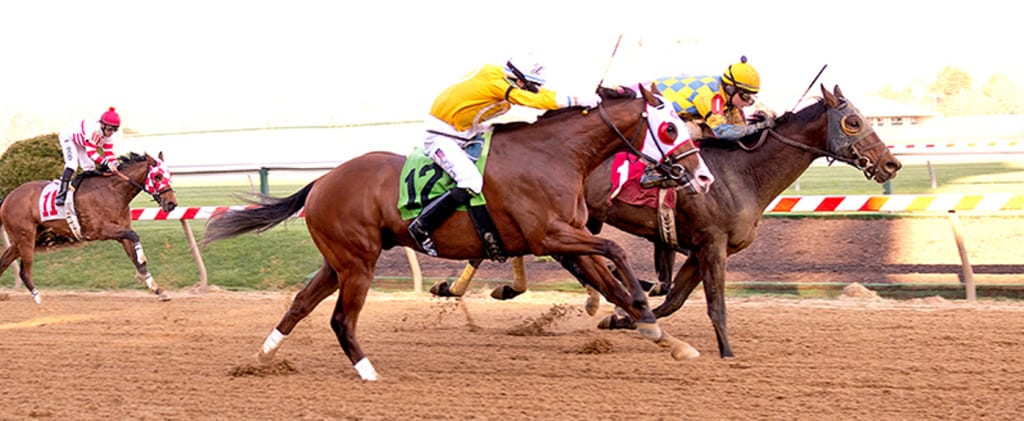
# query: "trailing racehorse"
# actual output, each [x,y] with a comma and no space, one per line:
[33,222]
[723,222]
[533,185]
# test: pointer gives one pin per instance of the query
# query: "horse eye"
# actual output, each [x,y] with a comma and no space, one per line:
[667,133]
[851,124]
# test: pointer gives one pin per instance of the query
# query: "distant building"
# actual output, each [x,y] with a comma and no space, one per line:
[882,112]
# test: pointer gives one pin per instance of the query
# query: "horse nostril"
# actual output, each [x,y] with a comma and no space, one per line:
[893,166]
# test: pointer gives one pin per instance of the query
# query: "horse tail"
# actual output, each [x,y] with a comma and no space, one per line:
[270,212]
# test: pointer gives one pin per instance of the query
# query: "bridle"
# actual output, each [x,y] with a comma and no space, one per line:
[157,196]
[846,129]
[670,168]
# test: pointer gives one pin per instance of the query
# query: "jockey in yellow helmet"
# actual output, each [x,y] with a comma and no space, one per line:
[718,101]
[458,115]
[715,100]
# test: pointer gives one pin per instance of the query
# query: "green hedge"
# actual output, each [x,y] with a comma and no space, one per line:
[38,158]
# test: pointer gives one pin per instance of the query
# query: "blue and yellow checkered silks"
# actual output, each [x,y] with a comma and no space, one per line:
[690,95]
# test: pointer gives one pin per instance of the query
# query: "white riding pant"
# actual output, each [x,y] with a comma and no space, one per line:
[447,153]
[74,155]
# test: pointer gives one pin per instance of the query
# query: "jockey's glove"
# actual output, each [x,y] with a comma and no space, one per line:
[589,100]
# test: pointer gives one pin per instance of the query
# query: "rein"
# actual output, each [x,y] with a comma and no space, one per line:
[136,184]
[840,137]
[673,171]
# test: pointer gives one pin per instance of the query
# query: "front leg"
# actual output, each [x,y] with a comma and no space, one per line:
[133,247]
[664,263]
[685,282]
[712,269]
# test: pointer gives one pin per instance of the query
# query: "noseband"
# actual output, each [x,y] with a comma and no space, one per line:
[157,196]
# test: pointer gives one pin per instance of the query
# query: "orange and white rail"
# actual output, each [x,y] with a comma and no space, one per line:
[989,202]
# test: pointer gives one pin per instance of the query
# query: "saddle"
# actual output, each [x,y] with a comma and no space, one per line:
[422,181]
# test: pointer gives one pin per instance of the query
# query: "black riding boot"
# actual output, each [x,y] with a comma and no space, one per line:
[65,178]
[433,215]
[652,178]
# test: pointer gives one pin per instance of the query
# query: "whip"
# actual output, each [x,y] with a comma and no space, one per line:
[809,87]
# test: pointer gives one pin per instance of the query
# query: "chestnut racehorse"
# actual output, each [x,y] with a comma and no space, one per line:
[723,222]
[533,185]
[102,207]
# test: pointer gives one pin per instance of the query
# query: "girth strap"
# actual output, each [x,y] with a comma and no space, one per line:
[488,233]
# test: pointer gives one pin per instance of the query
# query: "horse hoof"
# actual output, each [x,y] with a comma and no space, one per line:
[162,296]
[265,358]
[658,290]
[593,302]
[612,322]
[645,285]
[504,292]
[683,351]
[441,289]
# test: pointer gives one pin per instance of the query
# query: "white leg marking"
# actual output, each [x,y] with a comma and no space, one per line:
[366,370]
[273,341]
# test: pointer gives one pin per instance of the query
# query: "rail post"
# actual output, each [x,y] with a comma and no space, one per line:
[195,254]
[966,273]
[264,186]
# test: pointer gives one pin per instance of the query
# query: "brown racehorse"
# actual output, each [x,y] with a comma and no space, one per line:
[102,207]
[534,190]
[723,222]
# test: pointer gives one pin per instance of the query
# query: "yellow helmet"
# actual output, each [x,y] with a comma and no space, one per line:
[743,76]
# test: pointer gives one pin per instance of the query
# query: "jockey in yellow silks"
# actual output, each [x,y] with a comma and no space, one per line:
[458,115]
[717,101]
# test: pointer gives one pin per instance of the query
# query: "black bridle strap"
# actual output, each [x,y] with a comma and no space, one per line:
[136,184]
[622,137]
[787,141]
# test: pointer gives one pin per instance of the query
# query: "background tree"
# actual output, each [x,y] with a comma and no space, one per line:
[952,86]
[38,158]
[1002,96]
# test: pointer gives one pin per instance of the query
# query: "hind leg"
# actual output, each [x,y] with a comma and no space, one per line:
[133,247]
[21,238]
[19,250]
[457,289]
[354,286]
[323,284]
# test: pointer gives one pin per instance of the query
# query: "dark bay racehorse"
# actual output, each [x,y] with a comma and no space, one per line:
[723,222]
[102,207]
[534,190]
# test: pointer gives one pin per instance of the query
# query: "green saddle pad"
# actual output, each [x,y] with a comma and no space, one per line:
[422,180]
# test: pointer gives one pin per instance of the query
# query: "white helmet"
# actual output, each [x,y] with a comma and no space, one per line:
[525,67]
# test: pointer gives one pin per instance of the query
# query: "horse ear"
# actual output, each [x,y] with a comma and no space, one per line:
[160,155]
[654,89]
[830,100]
[647,95]
[838,92]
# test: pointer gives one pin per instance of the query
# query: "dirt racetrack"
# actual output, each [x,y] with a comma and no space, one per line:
[123,355]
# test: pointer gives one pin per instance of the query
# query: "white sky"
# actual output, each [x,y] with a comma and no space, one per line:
[195,65]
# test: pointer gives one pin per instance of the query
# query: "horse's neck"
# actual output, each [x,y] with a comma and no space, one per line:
[573,146]
[598,143]
[124,190]
[770,169]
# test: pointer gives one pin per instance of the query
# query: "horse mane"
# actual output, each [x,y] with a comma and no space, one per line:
[131,159]
[606,94]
